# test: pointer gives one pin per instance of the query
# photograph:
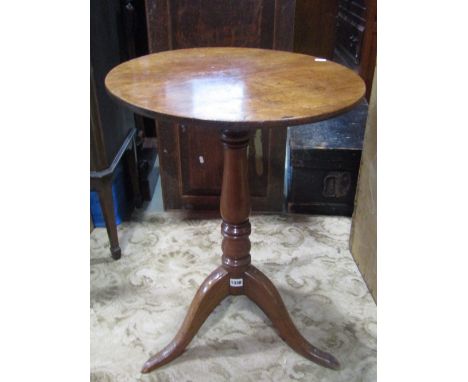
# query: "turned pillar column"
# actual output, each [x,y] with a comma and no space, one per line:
[235,208]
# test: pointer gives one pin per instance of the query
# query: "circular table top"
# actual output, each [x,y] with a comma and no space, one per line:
[236,87]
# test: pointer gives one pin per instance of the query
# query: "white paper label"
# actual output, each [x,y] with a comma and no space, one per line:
[236,282]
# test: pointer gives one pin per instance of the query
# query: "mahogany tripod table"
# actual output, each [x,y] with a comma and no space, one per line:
[236,90]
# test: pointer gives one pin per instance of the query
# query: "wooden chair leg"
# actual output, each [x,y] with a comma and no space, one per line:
[132,165]
[107,206]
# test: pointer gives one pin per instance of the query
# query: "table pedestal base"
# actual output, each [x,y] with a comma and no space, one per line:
[236,276]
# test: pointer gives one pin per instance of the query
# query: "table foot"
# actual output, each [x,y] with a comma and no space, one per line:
[261,290]
[211,292]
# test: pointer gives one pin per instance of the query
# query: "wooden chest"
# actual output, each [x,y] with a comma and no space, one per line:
[323,164]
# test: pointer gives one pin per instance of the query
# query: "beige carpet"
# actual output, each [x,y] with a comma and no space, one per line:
[139,302]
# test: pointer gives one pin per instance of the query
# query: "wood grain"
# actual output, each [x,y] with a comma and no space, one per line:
[315,27]
[211,292]
[235,87]
[236,267]
[181,24]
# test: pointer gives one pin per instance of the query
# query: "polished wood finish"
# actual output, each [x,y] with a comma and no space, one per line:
[235,228]
[341,30]
[235,205]
[211,292]
[235,87]
[190,157]
[235,91]
[261,290]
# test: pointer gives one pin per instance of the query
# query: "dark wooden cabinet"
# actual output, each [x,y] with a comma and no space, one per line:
[315,27]
[179,24]
[350,28]
[344,31]
[191,158]
[107,50]
[356,37]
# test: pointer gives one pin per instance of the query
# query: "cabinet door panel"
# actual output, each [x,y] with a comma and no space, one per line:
[201,161]
[201,156]
[222,23]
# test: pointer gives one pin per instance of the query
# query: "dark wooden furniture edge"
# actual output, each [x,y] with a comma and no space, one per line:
[110,170]
[101,180]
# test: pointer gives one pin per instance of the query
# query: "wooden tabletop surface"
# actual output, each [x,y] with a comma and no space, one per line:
[236,87]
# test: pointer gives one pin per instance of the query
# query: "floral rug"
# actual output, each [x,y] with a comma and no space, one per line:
[139,301]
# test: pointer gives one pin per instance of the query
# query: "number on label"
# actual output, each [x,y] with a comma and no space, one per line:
[236,282]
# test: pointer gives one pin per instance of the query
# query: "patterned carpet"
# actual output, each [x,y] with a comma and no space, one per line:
[139,302]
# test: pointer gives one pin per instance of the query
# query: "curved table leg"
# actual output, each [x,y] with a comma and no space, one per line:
[236,276]
[211,292]
[261,290]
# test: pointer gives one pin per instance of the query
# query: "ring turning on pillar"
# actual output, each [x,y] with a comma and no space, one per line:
[236,276]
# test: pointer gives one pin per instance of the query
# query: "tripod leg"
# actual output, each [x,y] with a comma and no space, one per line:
[261,290]
[211,292]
